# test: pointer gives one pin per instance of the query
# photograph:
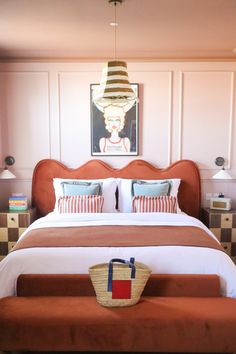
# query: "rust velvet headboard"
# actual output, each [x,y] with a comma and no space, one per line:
[42,185]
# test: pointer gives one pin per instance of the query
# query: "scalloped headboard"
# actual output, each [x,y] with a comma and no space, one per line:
[42,184]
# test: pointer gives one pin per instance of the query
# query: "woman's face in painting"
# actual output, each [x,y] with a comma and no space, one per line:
[114,118]
[113,123]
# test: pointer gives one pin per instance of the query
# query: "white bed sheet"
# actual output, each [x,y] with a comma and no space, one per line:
[161,259]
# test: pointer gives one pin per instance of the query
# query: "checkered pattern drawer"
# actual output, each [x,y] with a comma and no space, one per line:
[223,225]
[12,225]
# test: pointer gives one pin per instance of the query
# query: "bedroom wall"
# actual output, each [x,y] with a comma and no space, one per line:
[187,111]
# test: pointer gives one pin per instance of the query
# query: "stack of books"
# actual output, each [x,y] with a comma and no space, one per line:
[18,202]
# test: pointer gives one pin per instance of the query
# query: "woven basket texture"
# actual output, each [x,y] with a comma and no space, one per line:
[99,277]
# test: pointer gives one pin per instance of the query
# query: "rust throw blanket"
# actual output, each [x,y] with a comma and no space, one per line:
[117,236]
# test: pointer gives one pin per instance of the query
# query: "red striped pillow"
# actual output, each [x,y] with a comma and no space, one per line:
[80,204]
[161,204]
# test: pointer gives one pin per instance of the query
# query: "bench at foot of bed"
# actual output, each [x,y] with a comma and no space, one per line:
[155,324]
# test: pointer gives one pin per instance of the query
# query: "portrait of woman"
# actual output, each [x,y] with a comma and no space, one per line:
[114,131]
[114,120]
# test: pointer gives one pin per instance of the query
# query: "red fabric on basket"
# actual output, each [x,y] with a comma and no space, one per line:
[121,289]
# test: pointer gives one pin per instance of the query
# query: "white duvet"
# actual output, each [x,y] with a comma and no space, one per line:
[161,259]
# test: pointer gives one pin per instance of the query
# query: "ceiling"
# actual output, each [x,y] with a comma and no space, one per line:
[147,30]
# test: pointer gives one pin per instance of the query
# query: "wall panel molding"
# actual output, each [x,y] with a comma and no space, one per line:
[228,79]
[76,78]
[49,102]
[232,93]
[181,98]
[170,119]
[26,116]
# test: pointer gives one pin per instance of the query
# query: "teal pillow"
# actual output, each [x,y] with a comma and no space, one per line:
[81,188]
[151,189]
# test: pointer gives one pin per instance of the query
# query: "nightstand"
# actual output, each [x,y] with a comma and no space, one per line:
[12,225]
[223,225]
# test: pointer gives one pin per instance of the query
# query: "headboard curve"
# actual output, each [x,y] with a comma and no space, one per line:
[189,192]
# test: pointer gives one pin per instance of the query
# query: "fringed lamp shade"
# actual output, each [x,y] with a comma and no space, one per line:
[114,88]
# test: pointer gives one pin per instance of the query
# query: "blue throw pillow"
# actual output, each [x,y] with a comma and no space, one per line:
[81,188]
[151,189]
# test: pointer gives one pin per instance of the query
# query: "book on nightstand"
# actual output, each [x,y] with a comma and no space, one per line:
[18,202]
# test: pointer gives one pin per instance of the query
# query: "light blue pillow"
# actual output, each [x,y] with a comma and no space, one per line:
[151,189]
[83,188]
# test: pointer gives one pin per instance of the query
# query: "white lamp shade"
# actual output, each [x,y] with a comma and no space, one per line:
[6,174]
[222,174]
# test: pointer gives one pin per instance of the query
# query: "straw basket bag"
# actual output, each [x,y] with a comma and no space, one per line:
[119,282]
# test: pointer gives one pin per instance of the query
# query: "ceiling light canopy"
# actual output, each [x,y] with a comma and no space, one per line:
[115,88]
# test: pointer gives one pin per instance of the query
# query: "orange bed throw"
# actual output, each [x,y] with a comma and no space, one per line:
[117,236]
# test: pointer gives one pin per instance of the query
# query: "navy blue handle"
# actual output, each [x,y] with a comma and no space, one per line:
[110,269]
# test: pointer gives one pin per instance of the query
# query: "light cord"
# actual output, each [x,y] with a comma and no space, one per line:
[115,33]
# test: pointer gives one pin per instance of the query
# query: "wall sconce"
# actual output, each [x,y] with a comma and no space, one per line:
[222,174]
[6,174]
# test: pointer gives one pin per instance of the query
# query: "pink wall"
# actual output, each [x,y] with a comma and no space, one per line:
[187,111]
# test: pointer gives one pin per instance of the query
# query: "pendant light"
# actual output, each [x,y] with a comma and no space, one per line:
[115,88]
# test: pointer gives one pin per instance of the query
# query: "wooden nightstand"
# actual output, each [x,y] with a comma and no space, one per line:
[223,226]
[12,225]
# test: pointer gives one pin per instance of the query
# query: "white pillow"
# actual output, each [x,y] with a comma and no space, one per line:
[109,186]
[125,195]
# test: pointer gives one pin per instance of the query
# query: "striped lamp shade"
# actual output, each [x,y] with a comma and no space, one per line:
[114,87]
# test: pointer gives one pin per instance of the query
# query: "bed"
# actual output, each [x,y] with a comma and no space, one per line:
[50,258]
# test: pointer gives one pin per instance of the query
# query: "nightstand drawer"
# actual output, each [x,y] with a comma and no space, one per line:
[226,221]
[12,220]
[12,225]
[223,226]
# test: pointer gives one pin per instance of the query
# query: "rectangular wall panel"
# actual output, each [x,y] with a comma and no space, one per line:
[206,117]
[74,108]
[154,131]
[25,118]
[155,115]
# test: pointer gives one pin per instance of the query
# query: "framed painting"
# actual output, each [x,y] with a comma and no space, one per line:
[113,132]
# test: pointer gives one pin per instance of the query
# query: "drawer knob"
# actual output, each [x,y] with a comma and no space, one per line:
[226,219]
[12,219]
[225,247]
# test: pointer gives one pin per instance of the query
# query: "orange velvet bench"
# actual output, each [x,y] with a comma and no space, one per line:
[182,323]
[81,285]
